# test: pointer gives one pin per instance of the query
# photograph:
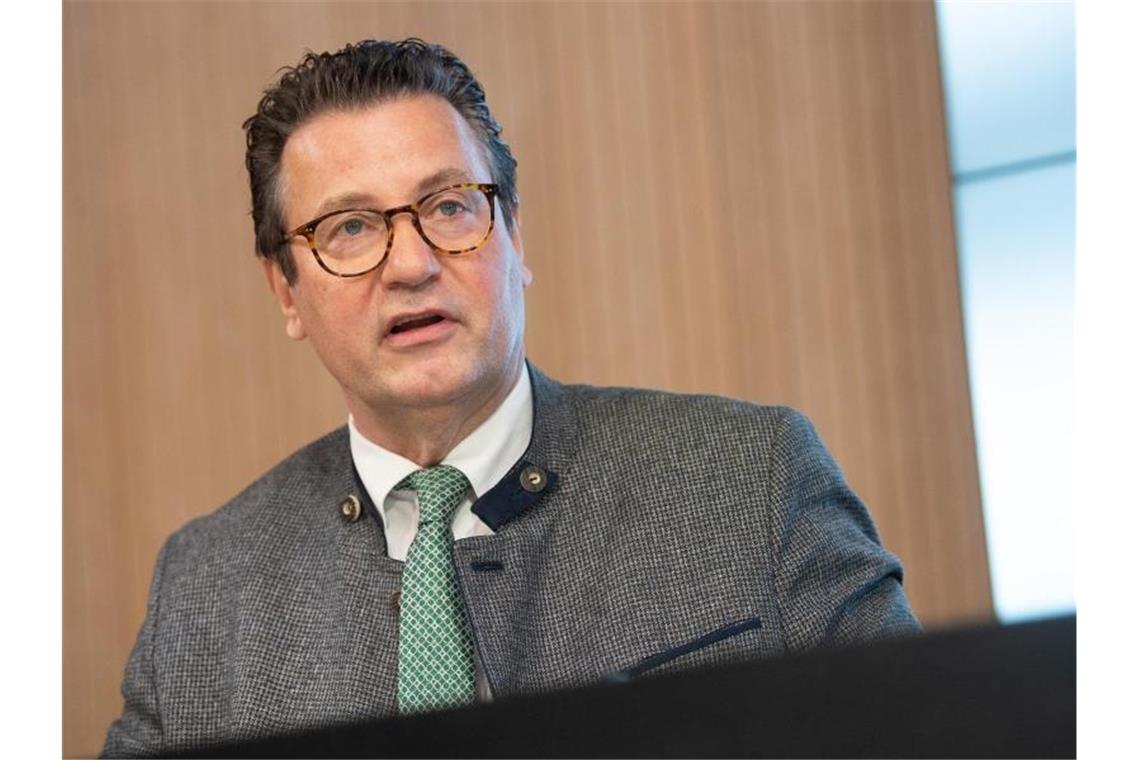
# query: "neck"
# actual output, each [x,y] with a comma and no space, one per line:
[425,435]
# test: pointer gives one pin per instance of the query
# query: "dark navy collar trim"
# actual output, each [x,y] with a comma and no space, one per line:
[507,500]
[366,498]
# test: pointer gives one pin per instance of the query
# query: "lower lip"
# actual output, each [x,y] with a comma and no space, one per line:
[419,336]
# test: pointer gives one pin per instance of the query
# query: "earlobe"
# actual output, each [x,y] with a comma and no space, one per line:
[293,327]
[283,292]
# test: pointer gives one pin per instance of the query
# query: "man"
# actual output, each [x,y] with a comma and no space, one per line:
[477,529]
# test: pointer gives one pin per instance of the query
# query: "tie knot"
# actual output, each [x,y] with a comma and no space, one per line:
[440,490]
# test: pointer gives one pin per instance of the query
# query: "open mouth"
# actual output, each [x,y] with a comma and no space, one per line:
[418,322]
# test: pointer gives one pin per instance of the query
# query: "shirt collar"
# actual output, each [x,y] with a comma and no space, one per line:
[484,456]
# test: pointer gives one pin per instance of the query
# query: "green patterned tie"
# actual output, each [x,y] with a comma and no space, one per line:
[437,652]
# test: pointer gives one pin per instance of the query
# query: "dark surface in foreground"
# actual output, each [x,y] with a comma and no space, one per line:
[992,692]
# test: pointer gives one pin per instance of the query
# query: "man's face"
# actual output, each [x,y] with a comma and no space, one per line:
[381,157]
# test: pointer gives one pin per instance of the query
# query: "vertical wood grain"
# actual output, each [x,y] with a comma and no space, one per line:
[750,199]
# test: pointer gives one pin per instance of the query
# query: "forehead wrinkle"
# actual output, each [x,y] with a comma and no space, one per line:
[430,184]
[308,146]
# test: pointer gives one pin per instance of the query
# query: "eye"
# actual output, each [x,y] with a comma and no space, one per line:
[449,208]
[348,231]
[350,227]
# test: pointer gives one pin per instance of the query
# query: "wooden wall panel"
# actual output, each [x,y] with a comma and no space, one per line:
[745,199]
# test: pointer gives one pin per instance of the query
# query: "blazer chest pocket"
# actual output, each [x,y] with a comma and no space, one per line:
[717,639]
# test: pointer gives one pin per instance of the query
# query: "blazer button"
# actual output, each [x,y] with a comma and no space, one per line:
[350,509]
[532,479]
[394,600]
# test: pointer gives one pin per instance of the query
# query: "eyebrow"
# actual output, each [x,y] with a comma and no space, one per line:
[344,200]
[441,178]
[448,176]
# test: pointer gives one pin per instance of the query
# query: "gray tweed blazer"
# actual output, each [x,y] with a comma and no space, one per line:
[642,532]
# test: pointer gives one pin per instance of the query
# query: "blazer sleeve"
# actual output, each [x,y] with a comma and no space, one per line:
[138,731]
[835,583]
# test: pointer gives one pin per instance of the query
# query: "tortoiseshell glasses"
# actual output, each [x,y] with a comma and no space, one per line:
[352,242]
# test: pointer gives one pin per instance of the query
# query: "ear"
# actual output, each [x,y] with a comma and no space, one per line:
[283,291]
[516,241]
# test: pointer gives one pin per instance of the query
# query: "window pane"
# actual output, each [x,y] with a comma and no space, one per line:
[1016,243]
[1009,70]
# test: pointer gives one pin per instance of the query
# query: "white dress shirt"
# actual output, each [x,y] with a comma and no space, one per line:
[484,456]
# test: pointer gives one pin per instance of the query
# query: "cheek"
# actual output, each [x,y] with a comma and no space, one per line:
[508,297]
[337,314]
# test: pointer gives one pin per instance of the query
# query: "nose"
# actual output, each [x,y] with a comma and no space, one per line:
[411,261]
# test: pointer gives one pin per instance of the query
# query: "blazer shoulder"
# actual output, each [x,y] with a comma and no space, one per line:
[686,415]
[277,504]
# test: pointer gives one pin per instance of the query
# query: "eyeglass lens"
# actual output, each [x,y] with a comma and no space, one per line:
[453,220]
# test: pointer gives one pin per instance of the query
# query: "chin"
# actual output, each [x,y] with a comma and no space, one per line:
[432,386]
[424,396]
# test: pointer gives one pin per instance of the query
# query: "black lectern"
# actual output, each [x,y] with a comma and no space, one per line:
[989,692]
